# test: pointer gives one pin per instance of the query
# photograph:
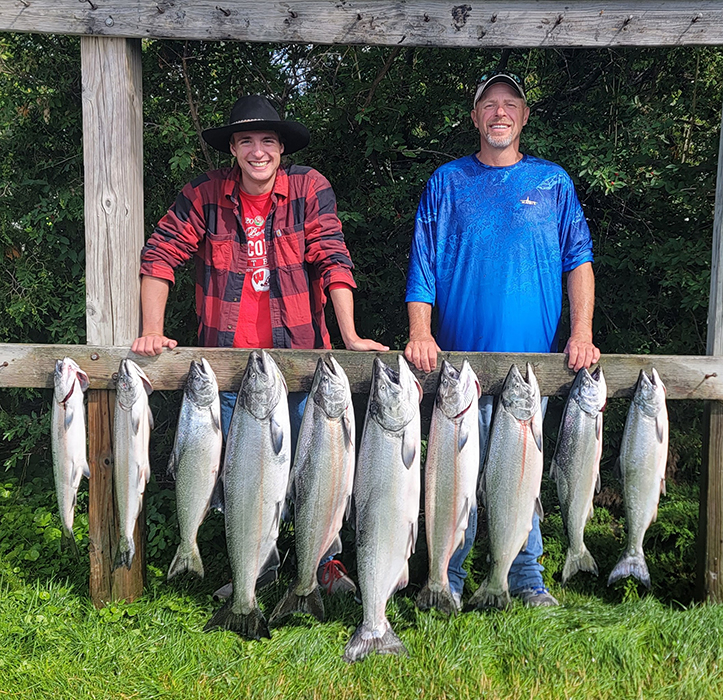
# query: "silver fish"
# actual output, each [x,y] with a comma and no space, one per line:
[386,498]
[576,465]
[511,480]
[321,483]
[255,479]
[195,462]
[643,456]
[67,438]
[450,478]
[132,427]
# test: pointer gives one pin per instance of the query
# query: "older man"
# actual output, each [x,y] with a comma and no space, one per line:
[494,233]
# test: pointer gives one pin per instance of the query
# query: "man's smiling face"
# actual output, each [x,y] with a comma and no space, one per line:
[499,116]
[258,154]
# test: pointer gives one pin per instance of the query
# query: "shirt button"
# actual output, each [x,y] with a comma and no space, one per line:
[235,298]
[278,233]
[229,327]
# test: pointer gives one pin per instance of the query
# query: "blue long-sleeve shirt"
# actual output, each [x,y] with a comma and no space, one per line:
[489,249]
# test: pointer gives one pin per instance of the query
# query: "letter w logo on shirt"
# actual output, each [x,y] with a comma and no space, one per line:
[527,200]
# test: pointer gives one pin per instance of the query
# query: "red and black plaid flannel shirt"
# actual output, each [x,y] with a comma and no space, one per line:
[304,243]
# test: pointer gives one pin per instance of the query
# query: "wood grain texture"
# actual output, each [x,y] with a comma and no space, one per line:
[686,377]
[513,24]
[113,164]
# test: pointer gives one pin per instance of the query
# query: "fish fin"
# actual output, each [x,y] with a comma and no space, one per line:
[135,421]
[217,497]
[216,417]
[536,428]
[83,380]
[659,428]
[124,555]
[464,515]
[482,489]
[151,422]
[335,548]
[69,414]
[67,540]
[463,436]
[553,469]
[272,563]
[86,470]
[146,382]
[538,509]
[403,579]
[662,488]
[442,600]
[364,641]
[172,463]
[412,538]
[484,598]
[581,561]
[618,469]
[277,435]
[276,522]
[346,427]
[311,604]
[347,509]
[409,449]
[186,561]
[251,626]
[598,484]
[599,425]
[631,565]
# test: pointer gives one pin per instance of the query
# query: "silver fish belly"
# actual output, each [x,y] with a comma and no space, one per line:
[643,456]
[195,462]
[386,497]
[255,479]
[68,441]
[511,482]
[321,483]
[132,427]
[450,478]
[576,465]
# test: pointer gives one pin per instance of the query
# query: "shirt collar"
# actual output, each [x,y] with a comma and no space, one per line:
[233,183]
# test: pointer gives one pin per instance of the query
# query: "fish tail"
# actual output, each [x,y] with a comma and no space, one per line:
[578,561]
[186,561]
[441,599]
[366,640]
[486,597]
[631,565]
[311,604]
[251,626]
[125,554]
[67,540]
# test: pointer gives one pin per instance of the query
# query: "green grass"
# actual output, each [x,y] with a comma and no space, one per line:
[54,644]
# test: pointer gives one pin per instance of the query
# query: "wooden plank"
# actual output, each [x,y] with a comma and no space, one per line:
[686,377]
[710,580]
[113,162]
[484,24]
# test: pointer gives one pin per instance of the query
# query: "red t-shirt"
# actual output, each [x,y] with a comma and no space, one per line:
[254,322]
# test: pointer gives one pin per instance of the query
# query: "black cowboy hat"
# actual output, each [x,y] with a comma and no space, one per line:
[255,113]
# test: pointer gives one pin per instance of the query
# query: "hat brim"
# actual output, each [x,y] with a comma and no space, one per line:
[494,80]
[294,135]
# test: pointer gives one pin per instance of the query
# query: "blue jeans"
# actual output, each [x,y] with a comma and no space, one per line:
[297,402]
[526,571]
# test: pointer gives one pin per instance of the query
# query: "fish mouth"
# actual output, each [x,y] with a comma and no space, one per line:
[595,375]
[385,372]
[329,363]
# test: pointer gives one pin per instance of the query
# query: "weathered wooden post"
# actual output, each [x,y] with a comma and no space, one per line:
[113,162]
[710,571]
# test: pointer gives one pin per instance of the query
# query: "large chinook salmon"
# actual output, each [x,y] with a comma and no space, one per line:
[643,455]
[386,499]
[450,478]
[132,427]
[195,462]
[576,465]
[510,488]
[255,478]
[320,484]
[67,439]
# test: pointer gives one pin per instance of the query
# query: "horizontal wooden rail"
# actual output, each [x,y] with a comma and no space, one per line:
[686,377]
[513,23]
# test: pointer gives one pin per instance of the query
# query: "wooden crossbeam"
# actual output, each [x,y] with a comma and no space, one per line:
[466,23]
[686,377]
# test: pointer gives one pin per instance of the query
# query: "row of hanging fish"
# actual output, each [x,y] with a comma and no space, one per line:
[257,478]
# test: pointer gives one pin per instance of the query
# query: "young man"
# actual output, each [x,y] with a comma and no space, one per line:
[268,249]
[494,233]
